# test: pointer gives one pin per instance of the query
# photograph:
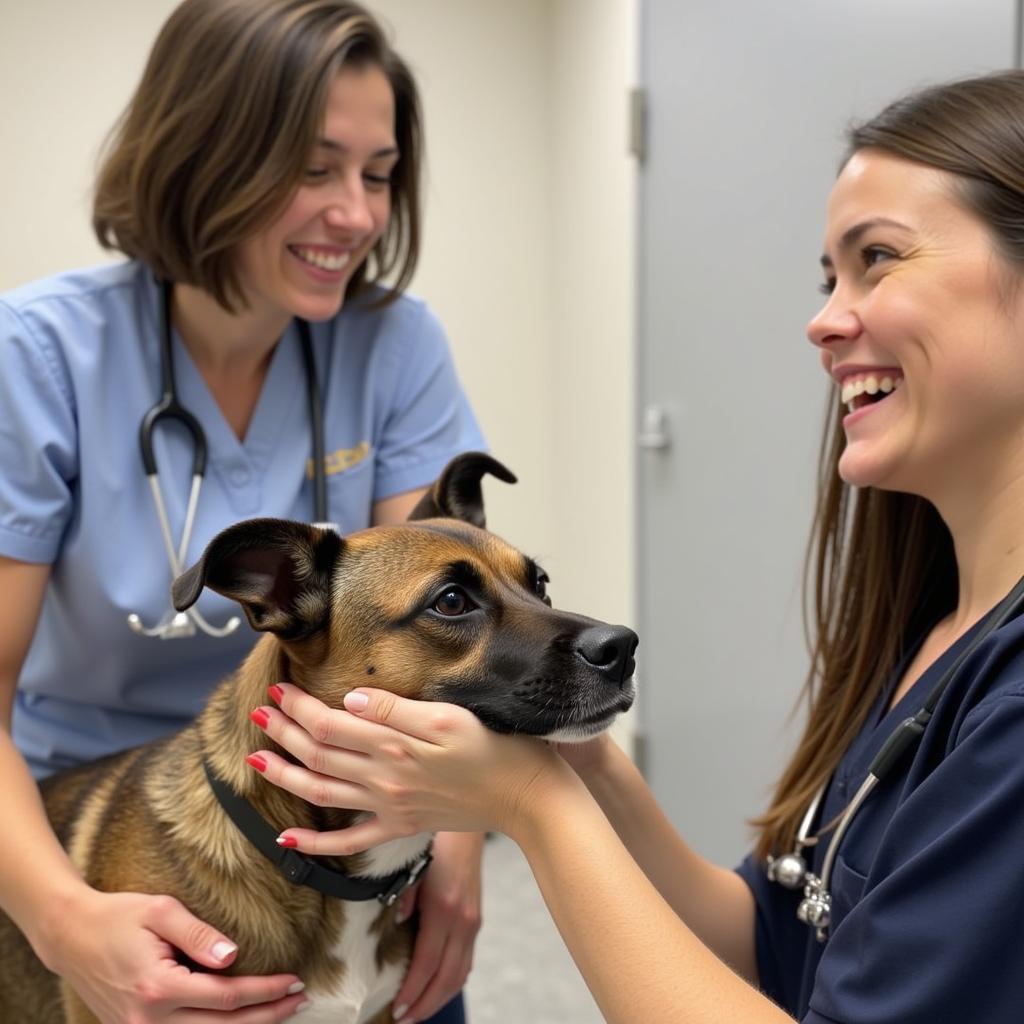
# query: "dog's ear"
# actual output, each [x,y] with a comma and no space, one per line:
[278,571]
[457,494]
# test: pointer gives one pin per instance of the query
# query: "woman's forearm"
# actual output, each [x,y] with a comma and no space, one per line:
[713,901]
[37,877]
[639,959]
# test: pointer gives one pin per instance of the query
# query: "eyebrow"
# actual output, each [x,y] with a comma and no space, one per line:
[337,147]
[852,235]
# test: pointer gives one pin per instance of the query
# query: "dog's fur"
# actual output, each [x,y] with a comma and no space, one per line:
[374,608]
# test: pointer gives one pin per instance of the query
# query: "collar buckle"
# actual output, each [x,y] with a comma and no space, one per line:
[405,879]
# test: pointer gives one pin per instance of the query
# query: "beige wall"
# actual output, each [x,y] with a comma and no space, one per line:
[529,251]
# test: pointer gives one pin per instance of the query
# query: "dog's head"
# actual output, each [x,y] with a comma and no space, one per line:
[436,609]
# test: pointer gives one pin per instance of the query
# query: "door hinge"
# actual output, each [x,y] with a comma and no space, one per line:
[638,123]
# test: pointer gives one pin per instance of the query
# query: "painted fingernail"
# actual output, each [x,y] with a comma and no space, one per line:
[257,762]
[302,1007]
[222,950]
[276,693]
[296,986]
[356,701]
[288,842]
[399,1011]
[261,717]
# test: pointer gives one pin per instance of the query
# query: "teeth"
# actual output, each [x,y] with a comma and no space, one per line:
[321,259]
[870,385]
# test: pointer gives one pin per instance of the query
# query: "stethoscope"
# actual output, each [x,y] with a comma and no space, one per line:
[168,407]
[790,870]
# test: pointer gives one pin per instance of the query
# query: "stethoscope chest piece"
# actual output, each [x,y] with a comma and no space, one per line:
[173,626]
[789,870]
[815,908]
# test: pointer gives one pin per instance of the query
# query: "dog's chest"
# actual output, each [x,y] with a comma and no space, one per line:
[363,988]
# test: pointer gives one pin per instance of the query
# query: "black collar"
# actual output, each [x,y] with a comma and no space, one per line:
[302,870]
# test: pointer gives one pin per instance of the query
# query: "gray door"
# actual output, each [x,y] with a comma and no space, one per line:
[746,106]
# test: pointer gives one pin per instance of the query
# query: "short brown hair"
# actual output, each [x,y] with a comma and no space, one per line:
[218,133]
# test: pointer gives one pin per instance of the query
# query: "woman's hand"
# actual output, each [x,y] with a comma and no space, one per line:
[448,899]
[117,951]
[417,766]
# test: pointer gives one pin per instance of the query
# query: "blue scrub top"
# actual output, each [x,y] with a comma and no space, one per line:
[80,366]
[928,886]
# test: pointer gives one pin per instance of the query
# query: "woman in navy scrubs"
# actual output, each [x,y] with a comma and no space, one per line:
[919,534]
[266,169]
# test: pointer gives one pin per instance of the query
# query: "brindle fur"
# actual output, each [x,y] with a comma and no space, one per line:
[337,614]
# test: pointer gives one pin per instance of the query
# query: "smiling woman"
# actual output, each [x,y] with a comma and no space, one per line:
[264,178]
[923,257]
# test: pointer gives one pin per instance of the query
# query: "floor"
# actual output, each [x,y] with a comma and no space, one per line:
[522,972]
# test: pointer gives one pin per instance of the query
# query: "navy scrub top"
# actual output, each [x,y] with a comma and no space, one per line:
[928,884]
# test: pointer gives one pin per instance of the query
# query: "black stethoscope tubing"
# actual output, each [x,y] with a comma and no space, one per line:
[169,407]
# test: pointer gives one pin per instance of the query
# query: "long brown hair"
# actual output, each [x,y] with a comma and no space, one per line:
[216,138]
[881,565]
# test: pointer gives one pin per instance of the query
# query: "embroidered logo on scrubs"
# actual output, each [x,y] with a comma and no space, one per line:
[342,459]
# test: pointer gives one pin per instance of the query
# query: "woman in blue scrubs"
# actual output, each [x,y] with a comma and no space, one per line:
[919,535]
[267,168]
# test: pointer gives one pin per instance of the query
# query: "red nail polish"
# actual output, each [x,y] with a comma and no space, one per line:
[260,717]
[257,762]
[288,842]
[276,693]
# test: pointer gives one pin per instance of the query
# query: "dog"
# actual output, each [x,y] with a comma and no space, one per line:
[436,609]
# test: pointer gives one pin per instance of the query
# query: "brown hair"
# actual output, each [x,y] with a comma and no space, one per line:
[216,138]
[881,566]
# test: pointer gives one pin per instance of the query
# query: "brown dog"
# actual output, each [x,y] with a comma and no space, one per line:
[436,609]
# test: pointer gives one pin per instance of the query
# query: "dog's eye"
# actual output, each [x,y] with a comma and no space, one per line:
[540,587]
[453,601]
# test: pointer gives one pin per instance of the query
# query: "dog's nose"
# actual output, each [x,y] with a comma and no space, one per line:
[609,650]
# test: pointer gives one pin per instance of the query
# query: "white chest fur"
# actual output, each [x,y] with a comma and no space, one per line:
[363,990]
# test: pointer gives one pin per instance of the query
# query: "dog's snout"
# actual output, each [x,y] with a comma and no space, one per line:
[609,650]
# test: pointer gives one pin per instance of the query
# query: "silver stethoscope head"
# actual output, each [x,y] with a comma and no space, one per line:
[177,625]
[170,627]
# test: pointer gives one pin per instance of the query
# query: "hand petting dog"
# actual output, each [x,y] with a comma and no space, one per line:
[414,764]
